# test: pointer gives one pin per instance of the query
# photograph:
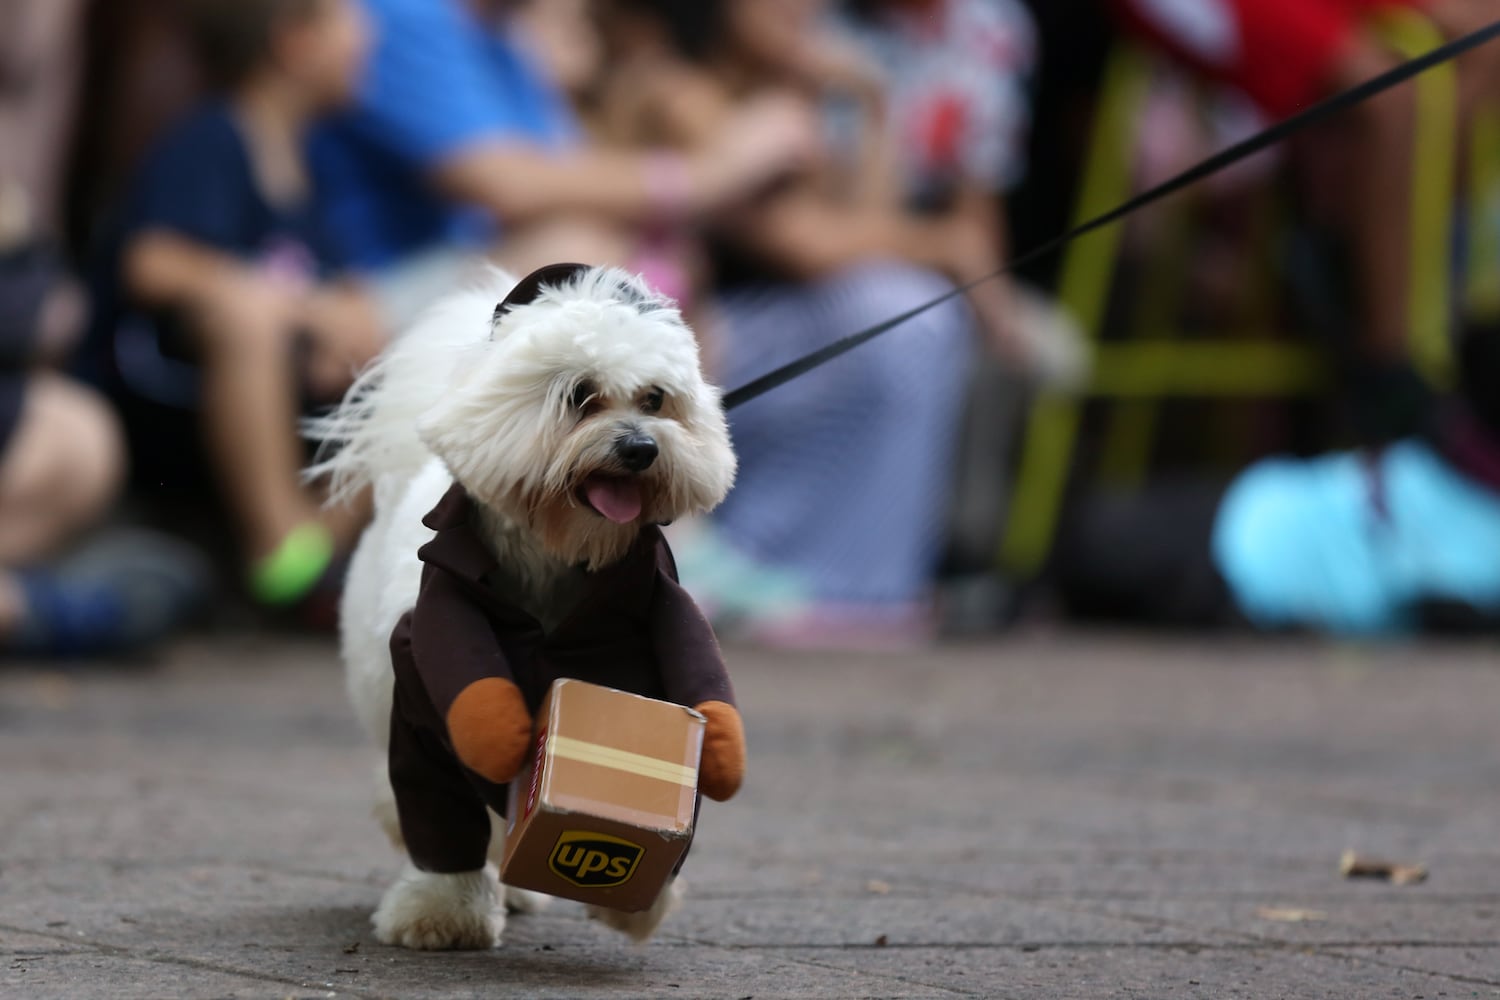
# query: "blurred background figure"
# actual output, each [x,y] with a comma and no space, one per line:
[1357,173]
[464,142]
[834,533]
[1374,543]
[223,306]
[261,193]
[66,588]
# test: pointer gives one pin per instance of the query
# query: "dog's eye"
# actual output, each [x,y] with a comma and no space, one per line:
[651,402]
[583,394]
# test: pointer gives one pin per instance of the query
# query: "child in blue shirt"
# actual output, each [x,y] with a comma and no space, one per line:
[220,304]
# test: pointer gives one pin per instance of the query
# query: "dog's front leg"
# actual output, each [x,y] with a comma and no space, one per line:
[435,912]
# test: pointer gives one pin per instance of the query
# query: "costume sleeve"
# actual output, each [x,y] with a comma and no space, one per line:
[687,652]
[693,673]
[464,670]
[452,641]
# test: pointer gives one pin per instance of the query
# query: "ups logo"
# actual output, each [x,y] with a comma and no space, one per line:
[594,860]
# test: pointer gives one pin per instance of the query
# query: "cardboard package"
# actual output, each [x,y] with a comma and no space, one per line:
[605,810]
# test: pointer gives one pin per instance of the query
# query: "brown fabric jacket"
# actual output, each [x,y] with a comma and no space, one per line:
[634,628]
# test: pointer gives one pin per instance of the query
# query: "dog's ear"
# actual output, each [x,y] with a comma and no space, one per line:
[529,287]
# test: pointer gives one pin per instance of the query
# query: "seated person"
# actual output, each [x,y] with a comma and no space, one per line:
[832,535]
[1288,54]
[1373,543]
[61,465]
[957,115]
[461,142]
[222,306]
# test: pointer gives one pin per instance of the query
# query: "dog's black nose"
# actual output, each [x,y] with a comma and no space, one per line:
[636,451]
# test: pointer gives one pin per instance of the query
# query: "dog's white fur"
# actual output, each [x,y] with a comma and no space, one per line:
[489,401]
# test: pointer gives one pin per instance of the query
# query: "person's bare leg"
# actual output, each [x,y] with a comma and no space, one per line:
[250,422]
[12,605]
[62,468]
[1478,69]
[1378,216]
[346,519]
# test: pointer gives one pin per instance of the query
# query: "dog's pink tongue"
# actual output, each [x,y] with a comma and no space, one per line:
[616,498]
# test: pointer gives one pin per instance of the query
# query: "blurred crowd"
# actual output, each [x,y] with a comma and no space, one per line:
[215,213]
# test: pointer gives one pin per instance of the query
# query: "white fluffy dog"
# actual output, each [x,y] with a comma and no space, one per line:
[526,407]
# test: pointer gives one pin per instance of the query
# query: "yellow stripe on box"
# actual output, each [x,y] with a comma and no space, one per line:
[622,760]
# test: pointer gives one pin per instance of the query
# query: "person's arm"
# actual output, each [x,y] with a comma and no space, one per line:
[345,332]
[432,101]
[165,270]
[220,295]
[517,181]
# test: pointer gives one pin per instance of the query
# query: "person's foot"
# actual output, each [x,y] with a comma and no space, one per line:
[845,628]
[118,593]
[727,584]
[294,567]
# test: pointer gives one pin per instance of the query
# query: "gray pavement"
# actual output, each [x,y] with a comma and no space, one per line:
[1050,816]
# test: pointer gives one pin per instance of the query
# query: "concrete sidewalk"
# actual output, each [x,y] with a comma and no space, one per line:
[1072,817]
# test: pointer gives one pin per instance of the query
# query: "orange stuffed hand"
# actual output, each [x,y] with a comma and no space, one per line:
[723,765]
[491,728]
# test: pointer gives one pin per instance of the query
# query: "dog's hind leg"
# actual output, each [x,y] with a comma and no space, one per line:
[640,926]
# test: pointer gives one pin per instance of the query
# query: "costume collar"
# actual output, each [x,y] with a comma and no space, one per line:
[459,548]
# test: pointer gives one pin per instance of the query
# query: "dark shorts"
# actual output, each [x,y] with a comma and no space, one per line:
[12,397]
[1145,557]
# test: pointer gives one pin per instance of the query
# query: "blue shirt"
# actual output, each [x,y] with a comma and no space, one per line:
[196,182]
[439,80]
[1351,543]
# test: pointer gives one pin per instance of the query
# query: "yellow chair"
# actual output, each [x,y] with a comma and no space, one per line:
[1482,286]
[1434,180]
[1138,373]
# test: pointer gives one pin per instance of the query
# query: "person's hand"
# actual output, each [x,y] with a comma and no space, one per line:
[767,138]
[244,305]
[1019,328]
[828,62]
[345,334]
[60,321]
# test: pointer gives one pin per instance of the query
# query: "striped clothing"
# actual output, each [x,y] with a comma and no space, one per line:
[846,472]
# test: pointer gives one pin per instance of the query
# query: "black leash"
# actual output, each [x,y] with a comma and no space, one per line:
[1214,164]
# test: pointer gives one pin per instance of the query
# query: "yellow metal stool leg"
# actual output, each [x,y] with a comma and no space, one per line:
[1088,270]
[1131,427]
[1482,291]
[1434,168]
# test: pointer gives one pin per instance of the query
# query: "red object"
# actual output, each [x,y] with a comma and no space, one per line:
[1281,53]
[942,123]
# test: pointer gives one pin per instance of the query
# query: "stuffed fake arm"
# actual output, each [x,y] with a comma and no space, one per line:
[468,680]
[693,672]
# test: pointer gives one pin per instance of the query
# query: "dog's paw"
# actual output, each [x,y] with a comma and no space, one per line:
[524,900]
[640,926]
[435,912]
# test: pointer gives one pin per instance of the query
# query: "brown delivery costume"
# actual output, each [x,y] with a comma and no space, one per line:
[467,663]
[471,669]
